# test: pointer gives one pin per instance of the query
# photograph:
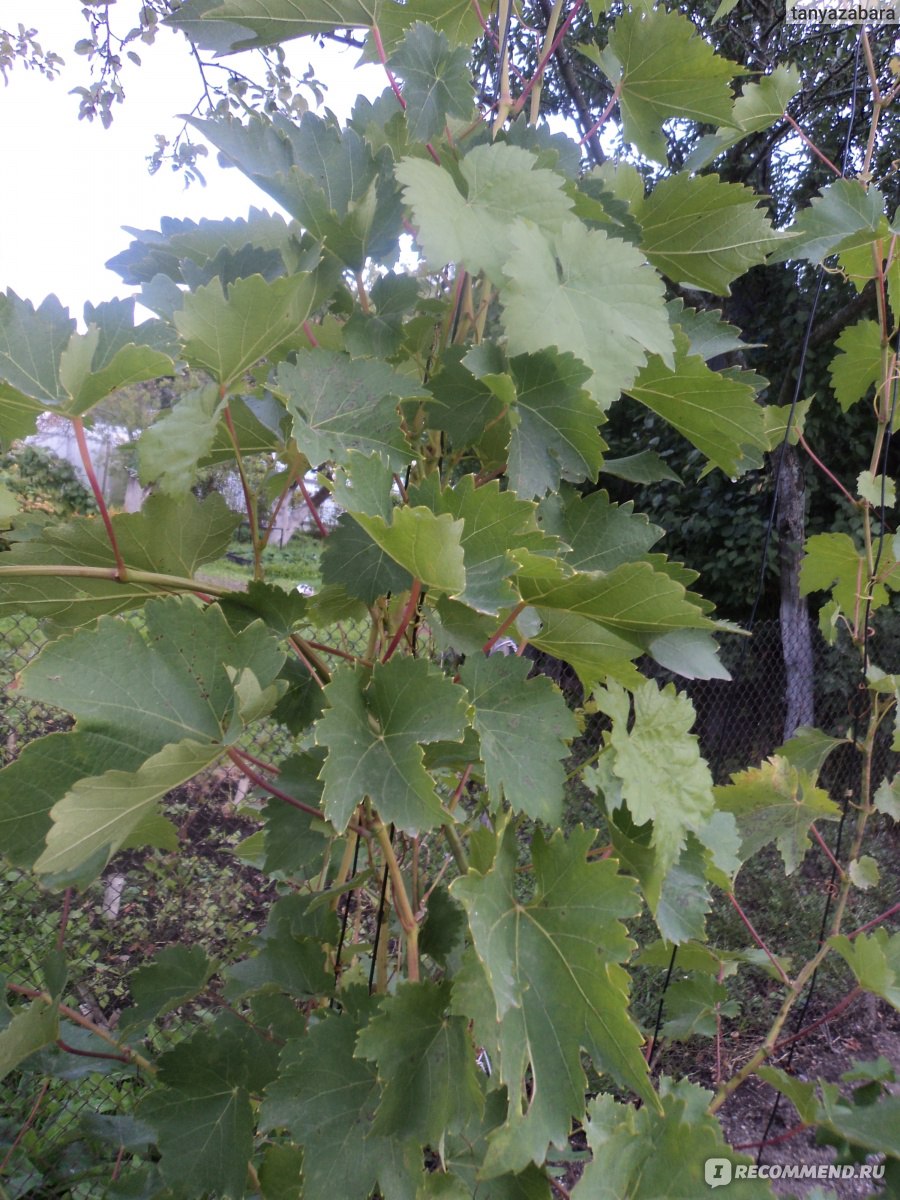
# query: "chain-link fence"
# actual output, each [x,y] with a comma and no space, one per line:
[64,1134]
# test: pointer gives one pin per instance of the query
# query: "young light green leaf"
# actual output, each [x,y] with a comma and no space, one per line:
[227,331]
[426,1063]
[374,729]
[833,563]
[663,778]
[437,82]
[525,728]
[341,404]
[26,1030]
[864,872]
[858,365]
[775,802]
[887,798]
[702,232]
[663,68]
[644,467]
[565,942]
[842,209]
[718,415]
[101,813]
[875,961]
[877,489]
[588,294]
[202,1115]
[454,18]
[473,228]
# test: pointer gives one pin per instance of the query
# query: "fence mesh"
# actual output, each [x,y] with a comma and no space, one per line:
[63,1136]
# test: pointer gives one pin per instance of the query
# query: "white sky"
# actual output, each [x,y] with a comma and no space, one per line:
[69,186]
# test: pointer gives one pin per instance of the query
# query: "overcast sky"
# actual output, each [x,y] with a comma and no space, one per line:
[69,186]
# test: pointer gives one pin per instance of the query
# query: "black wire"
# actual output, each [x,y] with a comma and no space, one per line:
[379,921]
[340,945]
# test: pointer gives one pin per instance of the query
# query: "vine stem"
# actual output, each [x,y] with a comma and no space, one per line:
[494,638]
[876,920]
[131,1055]
[87,463]
[815,149]
[408,611]
[26,1125]
[265,785]
[545,58]
[762,945]
[320,524]
[829,1016]
[401,902]
[837,483]
[601,120]
[245,487]
[176,583]
[825,850]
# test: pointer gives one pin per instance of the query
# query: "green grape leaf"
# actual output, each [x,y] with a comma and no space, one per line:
[692,1008]
[463,1154]
[664,68]
[176,974]
[631,599]
[170,450]
[592,650]
[644,467]
[702,232]
[600,535]
[808,748]
[202,1115]
[877,489]
[247,24]
[887,798]
[279,1175]
[718,415]
[167,537]
[525,728]
[759,106]
[842,209]
[290,953]
[858,365]
[44,772]
[651,1155]
[499,531]
[25,1030]
[326,1098]
[374,728]
[426,1063]
[426,545]
[454,18]
[226,331]
[775,802]
[663,778]
[565,942]
[708,334]
[177,684]
[295,841]
[437,82]
[875,961]
[327,177]
[341,404]
[874,1127]
[102,813]
[588,294]
[461,404]
[46,364]
[444,926]
[555,423]
[352,559]
[473,227]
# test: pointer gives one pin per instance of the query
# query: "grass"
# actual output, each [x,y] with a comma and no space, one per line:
[296,563]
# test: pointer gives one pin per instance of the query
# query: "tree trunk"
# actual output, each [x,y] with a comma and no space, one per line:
[796,639]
